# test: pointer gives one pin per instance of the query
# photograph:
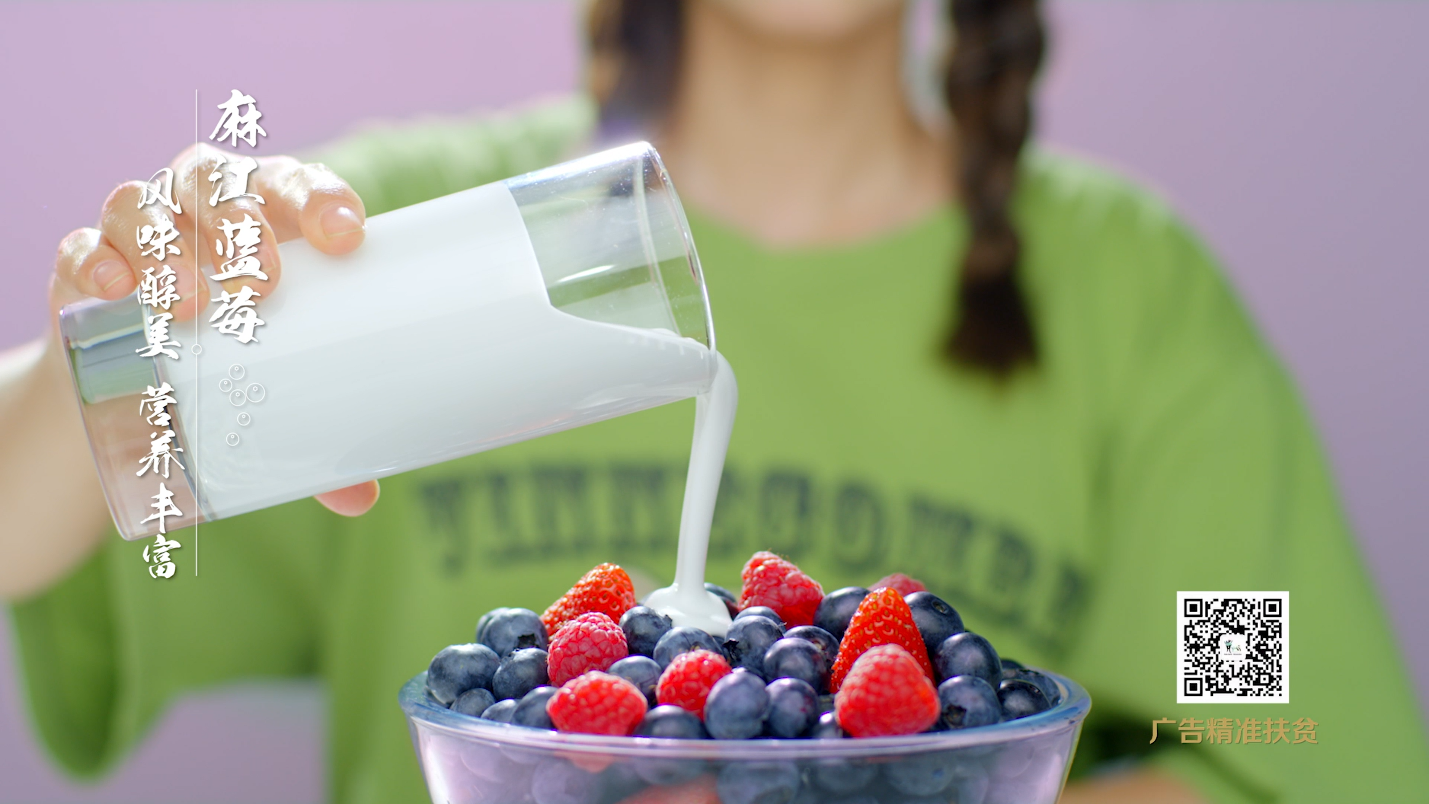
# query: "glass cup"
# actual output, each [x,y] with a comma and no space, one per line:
[467,760]
[490,316]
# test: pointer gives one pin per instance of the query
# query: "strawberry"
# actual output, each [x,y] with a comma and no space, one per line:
[597,703]
[687,681]
[606,589]
[774,582]
[886,693]
[905,585]
[883,618]
[591,641]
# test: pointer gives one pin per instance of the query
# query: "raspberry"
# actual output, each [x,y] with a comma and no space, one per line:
[774,582]
[904,584]
[883,618]
[886,693]
[591,641]
[597,703]
[606,589]
[686,682]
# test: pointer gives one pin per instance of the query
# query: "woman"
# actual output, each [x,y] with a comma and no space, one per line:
[1003,371]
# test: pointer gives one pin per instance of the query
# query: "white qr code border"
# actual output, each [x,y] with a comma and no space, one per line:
[1190,685]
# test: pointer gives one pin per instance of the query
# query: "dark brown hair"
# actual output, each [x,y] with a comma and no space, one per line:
[987,84]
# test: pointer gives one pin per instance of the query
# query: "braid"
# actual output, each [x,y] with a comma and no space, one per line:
[987,87]
[634,55]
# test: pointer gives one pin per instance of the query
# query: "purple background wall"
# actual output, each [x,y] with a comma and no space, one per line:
[1291,135]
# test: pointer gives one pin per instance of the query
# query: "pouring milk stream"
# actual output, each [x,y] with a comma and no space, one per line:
[686,601]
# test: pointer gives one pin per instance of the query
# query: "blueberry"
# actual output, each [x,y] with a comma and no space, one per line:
[837,608]
[736,706]
[1020,698]
[828,728]
[968,701]
[841,775]
[458,668]
[793,708]
[967,654]
[512,629]
[827,643]
[557,781]
[672,722]
[826,703]
[618,782]
[668,771]
[920,774]
[1011,664]
[642,671]
[936,620]
[1040,680]
[970,782]
[531,711]
[731,603]
[758,783]
[761,611]
[682,639]
[485,621]
[748,639]
[797,658]
[474,701]
[501,711]
[643,628]
[519,673]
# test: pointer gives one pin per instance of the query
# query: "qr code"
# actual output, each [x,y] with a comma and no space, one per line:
[1232,647]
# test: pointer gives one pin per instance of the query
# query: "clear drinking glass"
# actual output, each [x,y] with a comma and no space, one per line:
[467,760]
[483,318]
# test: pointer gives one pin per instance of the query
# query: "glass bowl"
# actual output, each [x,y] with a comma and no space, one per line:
[467,760]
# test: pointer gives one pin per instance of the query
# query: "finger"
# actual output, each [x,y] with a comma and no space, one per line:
[226,227]
[120,223]
[92,267]
[317,204]
[351,501]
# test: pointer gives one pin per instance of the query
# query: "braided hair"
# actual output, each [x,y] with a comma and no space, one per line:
[635,56]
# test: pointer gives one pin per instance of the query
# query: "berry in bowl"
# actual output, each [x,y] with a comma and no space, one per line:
[861,696]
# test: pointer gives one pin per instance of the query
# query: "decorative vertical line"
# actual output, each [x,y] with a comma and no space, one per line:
[198,314]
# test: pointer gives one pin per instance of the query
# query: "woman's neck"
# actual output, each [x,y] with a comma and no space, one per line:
[799,143]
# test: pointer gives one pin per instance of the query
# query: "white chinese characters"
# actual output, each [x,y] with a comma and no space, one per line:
[237,314]
[239,126]
[162,566]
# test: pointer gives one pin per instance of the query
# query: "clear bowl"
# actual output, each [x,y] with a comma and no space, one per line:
[467,760]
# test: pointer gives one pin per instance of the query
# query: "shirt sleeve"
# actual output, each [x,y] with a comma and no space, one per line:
[396,165]
[103,652]
[1212,479]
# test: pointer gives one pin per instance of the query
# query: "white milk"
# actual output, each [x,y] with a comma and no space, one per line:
[432,341]
[686,601]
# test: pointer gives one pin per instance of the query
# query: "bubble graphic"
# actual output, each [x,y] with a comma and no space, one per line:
[231,439]
[236,371]
[256,392]
[196,349]
[237,399]
[244,419]
[225,385]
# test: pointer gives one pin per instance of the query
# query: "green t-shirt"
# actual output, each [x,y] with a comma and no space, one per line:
[1159,447]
